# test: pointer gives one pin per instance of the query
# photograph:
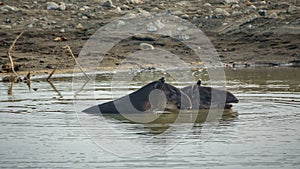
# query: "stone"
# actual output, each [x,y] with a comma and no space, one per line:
[8,8]
[79,26]
[118,9]
[30,26]
[252,7]
[62,30]
[237,13]
[231,1]
[151,28]
[262,12]
[146,46]
[109,4]
[273,15]
[55,6]
[220,11]
[207,5]
[136,1]
[5,27]
[235,6]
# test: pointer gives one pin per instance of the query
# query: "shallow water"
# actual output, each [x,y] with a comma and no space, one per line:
[42,127]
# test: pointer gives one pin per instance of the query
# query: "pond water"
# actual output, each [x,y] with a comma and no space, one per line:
[41,127]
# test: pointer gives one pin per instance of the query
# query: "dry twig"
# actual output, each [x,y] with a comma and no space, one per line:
[10,51]
[67,49]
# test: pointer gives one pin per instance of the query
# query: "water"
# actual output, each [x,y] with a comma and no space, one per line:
[40,127]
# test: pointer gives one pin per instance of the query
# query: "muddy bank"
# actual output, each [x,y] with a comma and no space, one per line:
[243,32]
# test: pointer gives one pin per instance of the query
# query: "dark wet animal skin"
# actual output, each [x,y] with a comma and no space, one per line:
[208,97]
[156,95]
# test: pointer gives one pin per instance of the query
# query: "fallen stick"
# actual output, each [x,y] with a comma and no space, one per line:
[9,53]
[69,50]
[59,63]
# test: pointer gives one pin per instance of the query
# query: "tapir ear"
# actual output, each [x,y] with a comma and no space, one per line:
[199,82]
[162,79]
[159,84]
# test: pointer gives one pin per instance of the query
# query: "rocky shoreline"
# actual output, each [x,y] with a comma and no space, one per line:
[254,32]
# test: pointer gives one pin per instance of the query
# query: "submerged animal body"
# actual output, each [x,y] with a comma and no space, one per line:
[156,95]
[208,97]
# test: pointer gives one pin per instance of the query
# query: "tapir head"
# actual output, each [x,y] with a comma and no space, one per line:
[175,98]
[205,97]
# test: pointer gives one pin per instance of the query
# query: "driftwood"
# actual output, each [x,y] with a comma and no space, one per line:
[9,54]
[67,49]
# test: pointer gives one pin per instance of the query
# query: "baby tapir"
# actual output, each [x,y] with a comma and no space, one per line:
[208,97]
[156,95]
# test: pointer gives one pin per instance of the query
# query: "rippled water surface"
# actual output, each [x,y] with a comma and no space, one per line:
[41,129]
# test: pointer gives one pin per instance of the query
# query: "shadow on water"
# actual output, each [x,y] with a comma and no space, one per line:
[163,121]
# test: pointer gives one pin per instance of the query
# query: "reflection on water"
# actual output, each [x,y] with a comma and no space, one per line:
[40,128]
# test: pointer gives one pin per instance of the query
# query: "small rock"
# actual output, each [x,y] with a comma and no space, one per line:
[168,12]
[62,6]
[125,7]
[220,11]
[7,20]
[207,5]
[120,23]
[159,24]
[232,1]
[185,16]
[62,30]
[55,6]
[151,28]
[235,6]
[9,8]
[274,15]
[262,2]
[252,7]
[146,46]
[5,27]
[109,4]
[136,1]
[118,9]
[262,12]
[30,26]
[79,26]
[237,13]
[85,17]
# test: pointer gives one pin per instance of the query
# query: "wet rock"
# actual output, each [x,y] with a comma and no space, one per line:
[146,46]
